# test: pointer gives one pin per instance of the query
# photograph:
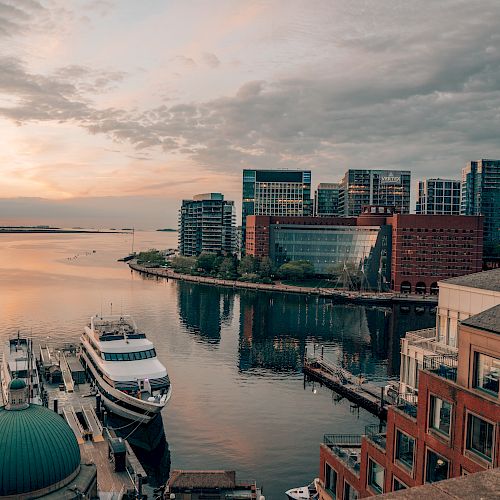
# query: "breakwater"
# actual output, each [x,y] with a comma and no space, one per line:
[337,295]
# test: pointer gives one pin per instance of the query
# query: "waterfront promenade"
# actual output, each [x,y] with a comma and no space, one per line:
[340,295]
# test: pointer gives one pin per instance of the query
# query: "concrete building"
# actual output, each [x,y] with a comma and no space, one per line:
[452,430]
[481,196]
[459,299]
[429,248]
[438,197]
[207,223]
[326,200]
[275,192]
[374,187]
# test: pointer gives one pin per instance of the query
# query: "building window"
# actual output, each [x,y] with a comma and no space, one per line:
[405,447]
[480,437]
[397,485]
[331,480]
[437,467]
[349,492]
[375,476]
[486,373]
[440,415]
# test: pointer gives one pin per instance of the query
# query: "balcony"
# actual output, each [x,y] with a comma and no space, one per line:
[427,339]
[377,433]
[444,366]
[408,405]
[347,448]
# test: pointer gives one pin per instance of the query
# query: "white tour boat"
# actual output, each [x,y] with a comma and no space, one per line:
[123,364]
[18,361]
[309,492]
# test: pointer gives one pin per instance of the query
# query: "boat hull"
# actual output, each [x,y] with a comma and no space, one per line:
[118,402]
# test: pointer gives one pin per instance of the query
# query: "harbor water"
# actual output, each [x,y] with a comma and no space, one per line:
[234,357]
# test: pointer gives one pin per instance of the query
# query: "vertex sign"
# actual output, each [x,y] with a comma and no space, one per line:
[390,179]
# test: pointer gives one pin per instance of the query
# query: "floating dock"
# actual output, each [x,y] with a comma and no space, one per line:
[364,394]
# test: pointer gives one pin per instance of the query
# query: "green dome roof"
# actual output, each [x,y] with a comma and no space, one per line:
[37,450]
[17,383]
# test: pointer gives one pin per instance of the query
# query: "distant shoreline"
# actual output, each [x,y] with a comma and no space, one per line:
[58,231]
[340,296]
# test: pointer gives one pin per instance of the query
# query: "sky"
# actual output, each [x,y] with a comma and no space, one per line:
[113,111]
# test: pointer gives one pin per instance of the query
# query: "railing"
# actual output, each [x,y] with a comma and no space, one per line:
[377,434]
[444,366]
[346,448]
[408,404]
[425,333]
[427,339]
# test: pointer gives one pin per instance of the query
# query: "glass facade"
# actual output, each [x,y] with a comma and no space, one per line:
[486,373]
[438,197]
[275,192]
[374,187]
[326,200]
[480,188]
[363,252]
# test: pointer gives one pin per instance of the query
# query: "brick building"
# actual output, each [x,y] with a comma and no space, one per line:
[453,429]
[422,249]
[429,248]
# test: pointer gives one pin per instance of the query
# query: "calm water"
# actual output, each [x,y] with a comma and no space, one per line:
[239,400]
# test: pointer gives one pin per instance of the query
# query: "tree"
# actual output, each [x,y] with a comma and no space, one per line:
[227,268]
[151,257]
[208,262]
[183,264]
[298,269]
[247,265]
[265,267]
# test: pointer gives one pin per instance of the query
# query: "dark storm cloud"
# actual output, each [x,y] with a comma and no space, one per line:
[423,91]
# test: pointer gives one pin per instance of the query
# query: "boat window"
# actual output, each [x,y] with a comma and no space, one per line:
[129,356]
[119,356]
[143,354]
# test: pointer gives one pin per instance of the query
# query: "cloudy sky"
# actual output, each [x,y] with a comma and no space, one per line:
[112,111]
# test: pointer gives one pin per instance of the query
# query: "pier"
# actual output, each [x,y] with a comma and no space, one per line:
[364,394]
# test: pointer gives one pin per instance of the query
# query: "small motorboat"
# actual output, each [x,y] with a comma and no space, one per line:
[308,492]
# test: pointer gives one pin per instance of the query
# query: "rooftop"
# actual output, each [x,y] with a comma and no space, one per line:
[480,485]
[488,320]
[486,280]
[215,479]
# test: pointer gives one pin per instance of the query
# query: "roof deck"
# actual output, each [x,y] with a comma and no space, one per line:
[115,328]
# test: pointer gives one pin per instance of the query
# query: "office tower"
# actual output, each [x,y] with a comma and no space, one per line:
[275,192]
[207,223]
[438,197]
[360,188]
[481,196]
[326,200]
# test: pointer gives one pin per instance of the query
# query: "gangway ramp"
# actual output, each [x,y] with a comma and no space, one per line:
[73,422]
[95,426]
[66,374]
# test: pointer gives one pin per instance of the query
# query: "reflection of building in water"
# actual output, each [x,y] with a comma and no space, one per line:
[274,330]
[202,308]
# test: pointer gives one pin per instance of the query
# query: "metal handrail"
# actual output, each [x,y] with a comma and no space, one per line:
[342,439]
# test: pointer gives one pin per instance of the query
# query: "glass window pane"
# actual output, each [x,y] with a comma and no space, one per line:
[480,436]
[404,449]
[437,467]
[376,476]
[486,372]
[440,415]
[349,492]
[331,480]
[398,485]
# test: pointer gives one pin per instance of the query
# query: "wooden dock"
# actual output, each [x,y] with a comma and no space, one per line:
[364,394]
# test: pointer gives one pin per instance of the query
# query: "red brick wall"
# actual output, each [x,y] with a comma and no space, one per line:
[429,248]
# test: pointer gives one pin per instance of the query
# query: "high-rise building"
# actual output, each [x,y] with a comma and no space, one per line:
[438,197]
[374,187]
[207,223]
[275,192]
[481,196]
[326,200]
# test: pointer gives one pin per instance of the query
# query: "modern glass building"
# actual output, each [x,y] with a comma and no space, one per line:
[438,197]
[481,196]
[275,192]
[374,187]
[358,253]
[326,200]
[207,223]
